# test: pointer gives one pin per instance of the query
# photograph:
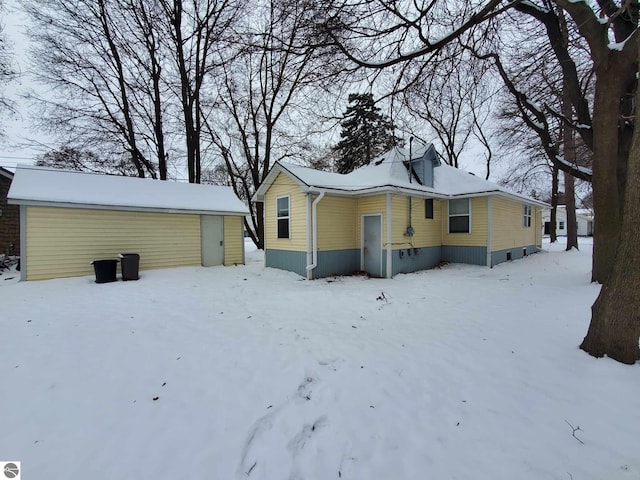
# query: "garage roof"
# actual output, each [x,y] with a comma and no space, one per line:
[53,187]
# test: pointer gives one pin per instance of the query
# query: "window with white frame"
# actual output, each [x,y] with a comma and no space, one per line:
[282,207]
[460,215]
[527,216]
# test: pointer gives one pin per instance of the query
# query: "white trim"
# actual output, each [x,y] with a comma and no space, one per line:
[362,239]
[23,242]
[489,230]
[122,208]
[389,265]
[6,173]
[244,260]
[277,168]
[526,207]
[309,236]
[418,191]
[314,213]
[449,232]
[367,192]
[288,217]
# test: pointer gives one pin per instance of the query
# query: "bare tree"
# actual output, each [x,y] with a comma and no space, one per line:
[81,53]
[453,98]
[144,48]
[7,72]
[129,75]
[260,88]
[69,158]
[196,30]
[390,36]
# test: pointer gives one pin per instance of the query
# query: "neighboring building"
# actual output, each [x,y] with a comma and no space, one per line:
[69,219]
[380,220]
[9,218]
[584,220]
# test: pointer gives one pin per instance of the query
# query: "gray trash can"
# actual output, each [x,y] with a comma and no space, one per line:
[130,264]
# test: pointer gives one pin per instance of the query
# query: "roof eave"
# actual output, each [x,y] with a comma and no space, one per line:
[125,208]
[277,168]
[6,173]
[502,193]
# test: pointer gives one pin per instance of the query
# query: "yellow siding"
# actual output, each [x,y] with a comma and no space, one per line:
[233,241]
[538,225]
[62,242]
[508,225]
[371,205]
[337,223]
[428,232]
[283,185]
[478,234]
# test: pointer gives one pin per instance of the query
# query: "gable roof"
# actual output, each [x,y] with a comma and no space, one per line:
[389,173]
[6,173]
[53,187]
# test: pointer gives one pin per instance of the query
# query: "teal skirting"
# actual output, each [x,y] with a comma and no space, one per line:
[500,256]
[405,260]
[470,255]
[286,260]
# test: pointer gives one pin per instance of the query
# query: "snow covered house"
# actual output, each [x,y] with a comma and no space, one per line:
[584,221]
[9,217]
[68,219]
[382,220]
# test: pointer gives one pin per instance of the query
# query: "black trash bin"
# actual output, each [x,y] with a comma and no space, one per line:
[129,264]
[105,270]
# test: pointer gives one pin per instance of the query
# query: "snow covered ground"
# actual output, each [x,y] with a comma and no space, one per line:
[245,372]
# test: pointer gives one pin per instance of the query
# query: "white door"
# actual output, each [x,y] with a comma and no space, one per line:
[372,244]
[211,236]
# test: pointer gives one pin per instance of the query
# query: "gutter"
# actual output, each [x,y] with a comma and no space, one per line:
[314,229]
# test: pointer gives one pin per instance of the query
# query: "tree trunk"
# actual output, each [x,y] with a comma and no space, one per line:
[569,151]
[615,322]
[553,221]
[570,205]
[606,196]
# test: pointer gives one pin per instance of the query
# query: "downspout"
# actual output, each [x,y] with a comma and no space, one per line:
[410,230]
[314,226]
[489,228]
[389,239]
[309,236]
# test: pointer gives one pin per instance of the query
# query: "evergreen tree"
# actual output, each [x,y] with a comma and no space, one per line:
[366,133]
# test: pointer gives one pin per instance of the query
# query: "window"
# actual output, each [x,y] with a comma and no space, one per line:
[527,216]
[460,215]
[283,216]
[561,226]
[428,208]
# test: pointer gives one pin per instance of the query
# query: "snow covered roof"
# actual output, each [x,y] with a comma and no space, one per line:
[46,186]
[585,213]
[390,173]
[6,173]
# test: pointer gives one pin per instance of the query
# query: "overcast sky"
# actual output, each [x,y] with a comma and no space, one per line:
[19,144]
[22,143]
